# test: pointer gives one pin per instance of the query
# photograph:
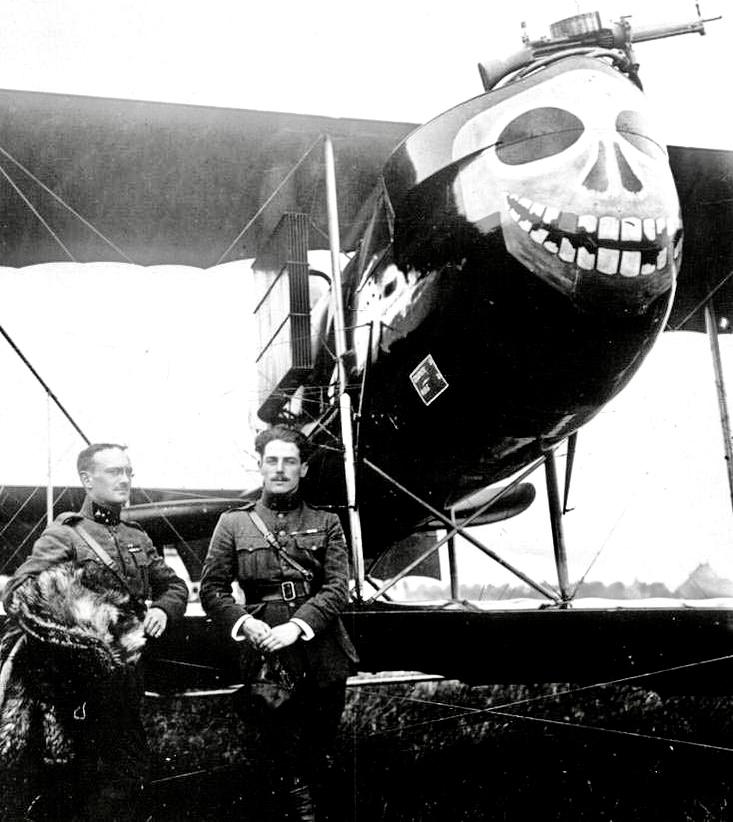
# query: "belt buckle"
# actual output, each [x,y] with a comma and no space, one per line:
[288,591]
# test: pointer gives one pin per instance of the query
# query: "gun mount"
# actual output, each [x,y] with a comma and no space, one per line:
[584,34]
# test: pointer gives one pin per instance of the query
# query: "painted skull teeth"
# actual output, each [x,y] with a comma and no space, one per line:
[630,246]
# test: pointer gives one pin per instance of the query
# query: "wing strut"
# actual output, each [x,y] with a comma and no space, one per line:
[711,326]
[558,538]
[347,435]
[453,528]
[569,462]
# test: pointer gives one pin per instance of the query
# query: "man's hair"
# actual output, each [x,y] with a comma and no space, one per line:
[286,434]
[85,460]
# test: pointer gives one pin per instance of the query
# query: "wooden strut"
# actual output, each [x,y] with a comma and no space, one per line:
[711,326]
[460,529]
[347,436]
[558,538]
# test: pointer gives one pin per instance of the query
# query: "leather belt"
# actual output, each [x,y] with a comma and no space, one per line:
[277,591]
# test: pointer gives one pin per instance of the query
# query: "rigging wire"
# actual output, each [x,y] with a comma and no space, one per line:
[45,386]
[567,692]
[259,211]
[181,540]
[62,202]
[19,509]
[579,726]
[37,214]
[700,304]
[38,523]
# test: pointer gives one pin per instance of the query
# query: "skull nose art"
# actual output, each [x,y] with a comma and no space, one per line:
[597,178]
[629,180]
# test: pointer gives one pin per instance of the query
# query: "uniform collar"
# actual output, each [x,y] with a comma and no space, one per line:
[281,502]
[103,514]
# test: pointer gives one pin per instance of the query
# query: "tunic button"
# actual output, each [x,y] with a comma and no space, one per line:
[282,533]
[281,515]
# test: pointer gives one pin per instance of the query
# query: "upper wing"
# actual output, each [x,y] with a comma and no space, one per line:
[94,179]
[704,179]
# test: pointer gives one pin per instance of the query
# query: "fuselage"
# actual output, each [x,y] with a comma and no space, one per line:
[519,264]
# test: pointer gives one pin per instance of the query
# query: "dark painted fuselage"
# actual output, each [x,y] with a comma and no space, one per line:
[520,263]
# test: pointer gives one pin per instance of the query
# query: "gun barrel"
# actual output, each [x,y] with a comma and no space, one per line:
[645,33]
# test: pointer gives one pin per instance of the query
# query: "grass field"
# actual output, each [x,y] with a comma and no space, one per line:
[431,751]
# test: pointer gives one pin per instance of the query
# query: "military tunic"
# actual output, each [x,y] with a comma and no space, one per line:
[239,551]
[136,559]
[294,742]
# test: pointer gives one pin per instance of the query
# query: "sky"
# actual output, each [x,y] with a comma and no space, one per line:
[173,378]
[405,61]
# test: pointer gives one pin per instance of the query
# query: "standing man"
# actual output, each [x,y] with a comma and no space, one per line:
[110,753]
[291,563]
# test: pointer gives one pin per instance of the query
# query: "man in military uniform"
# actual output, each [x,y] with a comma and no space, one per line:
[111,754]
[291,563]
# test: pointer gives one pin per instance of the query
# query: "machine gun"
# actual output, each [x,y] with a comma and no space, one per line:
[583,34]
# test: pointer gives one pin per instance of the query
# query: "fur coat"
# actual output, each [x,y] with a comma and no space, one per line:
[72,629]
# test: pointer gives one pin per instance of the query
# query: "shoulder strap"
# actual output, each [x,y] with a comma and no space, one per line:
[95,546]
[101,554]
[273,543]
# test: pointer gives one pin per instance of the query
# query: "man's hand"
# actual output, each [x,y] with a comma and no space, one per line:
[255,630]
[155,622]
[280,637]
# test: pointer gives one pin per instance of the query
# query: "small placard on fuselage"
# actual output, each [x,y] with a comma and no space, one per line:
[428,381]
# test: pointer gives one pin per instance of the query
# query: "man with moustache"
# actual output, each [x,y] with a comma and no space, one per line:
[110,757]
[291,563]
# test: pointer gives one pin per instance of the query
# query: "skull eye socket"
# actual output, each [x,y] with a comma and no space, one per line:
[536,134]
[632,126]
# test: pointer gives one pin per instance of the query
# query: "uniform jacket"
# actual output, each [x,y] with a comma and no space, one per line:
[137,562]
[239,551]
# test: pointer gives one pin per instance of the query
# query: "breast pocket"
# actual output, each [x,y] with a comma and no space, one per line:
[254,558]
[141,562]
[310,546]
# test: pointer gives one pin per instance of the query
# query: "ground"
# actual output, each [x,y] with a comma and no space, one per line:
[431,751]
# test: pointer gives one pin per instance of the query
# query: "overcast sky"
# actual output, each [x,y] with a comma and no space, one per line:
[650,489]
[404,61]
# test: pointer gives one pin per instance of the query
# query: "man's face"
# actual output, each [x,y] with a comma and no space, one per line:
[110,477]
[281,467]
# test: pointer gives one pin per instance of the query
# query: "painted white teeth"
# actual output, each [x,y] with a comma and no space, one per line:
[589,222]
[631,229]
[539,235]
[630,264]
[608,260]
[540,222]
[586,260]
[567,251]
[608,228]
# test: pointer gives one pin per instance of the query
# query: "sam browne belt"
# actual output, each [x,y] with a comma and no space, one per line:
[285,591]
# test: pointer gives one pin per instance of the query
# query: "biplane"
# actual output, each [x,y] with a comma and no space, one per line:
[533,242]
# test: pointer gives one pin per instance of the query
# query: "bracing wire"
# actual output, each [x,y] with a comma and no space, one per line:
[272,196]
[37,215]
[62,202]
[476,712]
